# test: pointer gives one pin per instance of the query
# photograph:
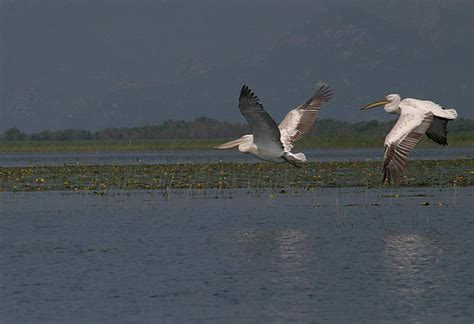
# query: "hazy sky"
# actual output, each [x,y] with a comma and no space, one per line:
[96,64]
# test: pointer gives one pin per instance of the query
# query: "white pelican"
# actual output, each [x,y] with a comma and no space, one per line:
[268,141]
[417,117]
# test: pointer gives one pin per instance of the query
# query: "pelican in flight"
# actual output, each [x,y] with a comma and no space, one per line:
[269,141]
[417,117]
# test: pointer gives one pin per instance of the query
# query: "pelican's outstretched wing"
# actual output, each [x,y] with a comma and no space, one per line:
[299,120]
[403,137]
[264,128]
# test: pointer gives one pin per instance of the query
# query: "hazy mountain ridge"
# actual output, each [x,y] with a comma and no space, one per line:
[364,49]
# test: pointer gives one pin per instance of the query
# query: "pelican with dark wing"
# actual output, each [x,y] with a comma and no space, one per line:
[417,117]
[269,141]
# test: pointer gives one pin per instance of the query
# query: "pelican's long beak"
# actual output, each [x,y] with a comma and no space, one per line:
[230,144]
[374,104]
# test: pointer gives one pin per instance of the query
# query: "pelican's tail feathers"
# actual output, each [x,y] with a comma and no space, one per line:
[294,159]
[452,113]
[231,144]
[299,156]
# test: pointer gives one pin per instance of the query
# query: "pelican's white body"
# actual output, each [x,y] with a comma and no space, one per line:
[269,153]
[396,105]
[413,112]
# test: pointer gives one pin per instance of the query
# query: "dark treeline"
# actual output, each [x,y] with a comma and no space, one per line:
[206,128]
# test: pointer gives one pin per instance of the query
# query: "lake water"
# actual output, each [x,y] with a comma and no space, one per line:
[339,255]
[205,156]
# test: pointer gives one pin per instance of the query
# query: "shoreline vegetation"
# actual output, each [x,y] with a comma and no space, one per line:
[280,178]
[455,140]
[204,133]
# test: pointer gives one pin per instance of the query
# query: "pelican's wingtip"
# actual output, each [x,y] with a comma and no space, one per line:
[321,84]
[246,92]
[324,92]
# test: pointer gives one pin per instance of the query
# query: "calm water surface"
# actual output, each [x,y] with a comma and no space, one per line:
[237,256]
[204,156]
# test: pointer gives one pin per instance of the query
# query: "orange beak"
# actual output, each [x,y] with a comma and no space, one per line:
[374,104]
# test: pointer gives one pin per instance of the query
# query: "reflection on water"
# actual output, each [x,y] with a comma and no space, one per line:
[289,243]
[282,256]
[409,259]
[285,249]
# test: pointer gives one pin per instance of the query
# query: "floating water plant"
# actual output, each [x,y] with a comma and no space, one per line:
[230,175]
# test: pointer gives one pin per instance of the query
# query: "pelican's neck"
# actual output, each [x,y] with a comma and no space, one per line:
[393,107]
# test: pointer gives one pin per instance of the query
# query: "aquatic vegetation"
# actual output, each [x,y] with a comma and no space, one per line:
[280,177]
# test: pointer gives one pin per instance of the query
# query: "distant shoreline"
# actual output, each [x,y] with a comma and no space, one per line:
[458,140]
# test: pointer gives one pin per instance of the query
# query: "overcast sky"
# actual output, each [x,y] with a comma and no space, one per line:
[96,64]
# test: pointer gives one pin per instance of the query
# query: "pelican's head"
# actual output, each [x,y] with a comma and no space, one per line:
[391,100]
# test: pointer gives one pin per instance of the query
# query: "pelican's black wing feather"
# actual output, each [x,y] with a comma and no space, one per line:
[264,128]
[438,132]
